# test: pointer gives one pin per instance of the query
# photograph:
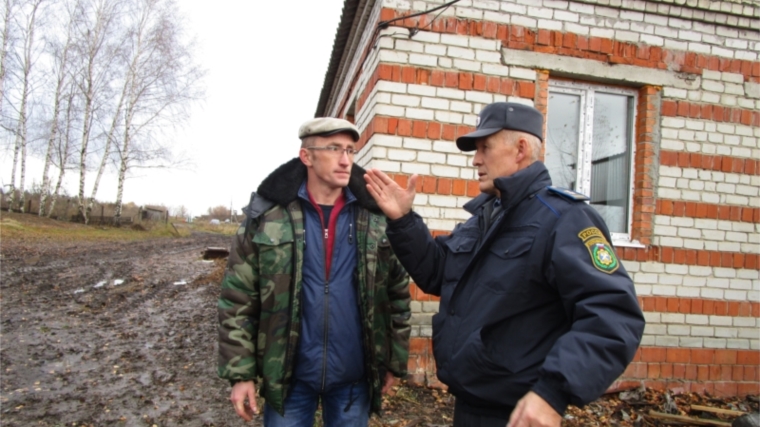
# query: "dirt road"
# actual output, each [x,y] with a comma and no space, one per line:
[111,334]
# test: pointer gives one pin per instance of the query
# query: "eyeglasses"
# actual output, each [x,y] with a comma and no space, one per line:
[336,151]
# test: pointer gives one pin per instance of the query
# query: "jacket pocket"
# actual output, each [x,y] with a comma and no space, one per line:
[506,265]
[460,248]
[275,253]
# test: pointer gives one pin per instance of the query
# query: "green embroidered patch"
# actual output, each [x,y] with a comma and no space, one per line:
[602,255]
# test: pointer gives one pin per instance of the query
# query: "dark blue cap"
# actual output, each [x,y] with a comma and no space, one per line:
[504,115]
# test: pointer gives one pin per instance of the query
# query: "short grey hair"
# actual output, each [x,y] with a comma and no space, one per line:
[513,136]
[308,141]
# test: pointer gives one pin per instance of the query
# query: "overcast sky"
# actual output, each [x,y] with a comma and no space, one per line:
[266,64]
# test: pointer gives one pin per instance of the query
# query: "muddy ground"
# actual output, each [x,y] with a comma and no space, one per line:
[124,333]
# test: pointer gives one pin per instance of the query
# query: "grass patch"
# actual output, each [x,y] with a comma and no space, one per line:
[32,227]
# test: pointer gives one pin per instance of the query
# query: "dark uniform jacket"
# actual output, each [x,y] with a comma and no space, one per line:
[538,301]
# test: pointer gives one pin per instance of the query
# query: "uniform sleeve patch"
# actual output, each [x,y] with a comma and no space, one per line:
[602,255]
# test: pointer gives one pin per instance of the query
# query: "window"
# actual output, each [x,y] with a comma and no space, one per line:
[590,147]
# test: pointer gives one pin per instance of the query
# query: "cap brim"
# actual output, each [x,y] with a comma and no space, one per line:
[354,134]
[467,142]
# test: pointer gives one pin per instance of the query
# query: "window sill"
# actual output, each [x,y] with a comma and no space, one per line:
[628,244]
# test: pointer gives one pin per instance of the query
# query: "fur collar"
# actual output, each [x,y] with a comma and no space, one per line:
[281,186]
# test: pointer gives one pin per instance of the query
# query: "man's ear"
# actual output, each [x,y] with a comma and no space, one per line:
[303,154]
[523,149]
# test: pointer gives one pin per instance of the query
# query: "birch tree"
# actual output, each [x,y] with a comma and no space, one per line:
[97,53]
[161,80]
[27,61]
[63,146]
[60,52]
[8,6]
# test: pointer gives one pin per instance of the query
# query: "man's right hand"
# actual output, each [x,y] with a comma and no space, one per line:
[393,200]
[243,398]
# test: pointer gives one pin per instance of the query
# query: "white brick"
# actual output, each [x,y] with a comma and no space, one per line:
[450,93]
[419,113]
[402,155]
[393,56]
[385,166]
[418,168]
[523,21]
[409,46]
[501,18]
[455,40]
[486,56]
[405,100]
[421,90]
[702,331]
[496,69]
[466,65]
[389,110]
[435,49]
[417,144]
[679,330]
[459,52]
[448,117]
[547,24]
[435,103]
[431,157]
[540,12]
[387,140]
[393,87]
[481,97]
[422,59]
[445,171]
[462,107]
[484,44]
[427,37]
[690,342]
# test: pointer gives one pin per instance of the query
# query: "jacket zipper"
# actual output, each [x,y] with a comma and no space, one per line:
[326,305]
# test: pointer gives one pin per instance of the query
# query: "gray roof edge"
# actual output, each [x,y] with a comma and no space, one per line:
[342,36]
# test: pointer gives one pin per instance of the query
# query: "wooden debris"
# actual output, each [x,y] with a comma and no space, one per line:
[717,410]
[689,420]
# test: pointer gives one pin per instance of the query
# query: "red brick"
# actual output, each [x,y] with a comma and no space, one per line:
[702,356]
[405,127]
[725,357]
[419,129]
[465,81]
[669,108]
[479,82]
[428,184]
[437,78]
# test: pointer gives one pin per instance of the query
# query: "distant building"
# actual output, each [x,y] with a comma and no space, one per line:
[653,110]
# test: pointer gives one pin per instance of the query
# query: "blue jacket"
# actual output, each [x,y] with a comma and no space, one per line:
[538,301]
[330,349]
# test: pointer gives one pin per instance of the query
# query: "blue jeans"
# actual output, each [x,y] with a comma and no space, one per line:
[342,406]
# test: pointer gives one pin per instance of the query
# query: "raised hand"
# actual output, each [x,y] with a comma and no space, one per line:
[394,201]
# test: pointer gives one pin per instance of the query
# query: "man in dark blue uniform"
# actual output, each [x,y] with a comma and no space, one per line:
[536,310]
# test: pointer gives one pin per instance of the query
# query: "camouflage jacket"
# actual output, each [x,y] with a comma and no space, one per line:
[259,304]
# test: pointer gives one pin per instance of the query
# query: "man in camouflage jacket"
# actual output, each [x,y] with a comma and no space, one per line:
[317,326]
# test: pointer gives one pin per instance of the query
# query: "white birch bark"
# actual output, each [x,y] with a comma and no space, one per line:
[62,62]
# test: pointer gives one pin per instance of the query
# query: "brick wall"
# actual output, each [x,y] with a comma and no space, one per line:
[694,252]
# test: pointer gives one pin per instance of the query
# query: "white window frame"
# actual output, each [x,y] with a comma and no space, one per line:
[585,138]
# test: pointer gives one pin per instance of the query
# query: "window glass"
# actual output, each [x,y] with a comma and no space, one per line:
[563,135]
[589,147]
[610,159]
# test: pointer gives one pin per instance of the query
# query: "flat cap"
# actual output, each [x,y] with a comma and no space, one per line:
[504,115]
[326,126]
